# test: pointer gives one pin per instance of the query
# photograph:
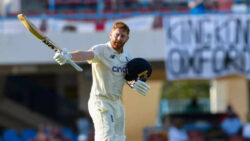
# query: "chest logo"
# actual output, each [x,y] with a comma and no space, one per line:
[119,69]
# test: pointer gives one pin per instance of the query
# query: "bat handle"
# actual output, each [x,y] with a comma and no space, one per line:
[72,63]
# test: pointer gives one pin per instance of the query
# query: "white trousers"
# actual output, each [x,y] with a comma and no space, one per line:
[108,118]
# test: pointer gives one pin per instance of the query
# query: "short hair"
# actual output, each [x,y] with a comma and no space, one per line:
[121,25]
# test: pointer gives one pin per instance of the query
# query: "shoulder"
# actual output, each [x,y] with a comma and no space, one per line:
[98,47]
[128,55]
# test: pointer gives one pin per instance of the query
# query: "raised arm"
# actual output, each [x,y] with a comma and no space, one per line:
[79,56]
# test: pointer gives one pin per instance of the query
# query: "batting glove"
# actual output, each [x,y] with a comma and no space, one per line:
[62,57]
[141,87]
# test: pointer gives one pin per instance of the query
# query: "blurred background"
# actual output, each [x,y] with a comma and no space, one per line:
[199,51]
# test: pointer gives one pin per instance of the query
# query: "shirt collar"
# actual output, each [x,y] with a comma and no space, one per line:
[113,50]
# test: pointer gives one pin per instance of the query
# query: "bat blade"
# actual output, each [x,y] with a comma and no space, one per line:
[36,32]
[30,26]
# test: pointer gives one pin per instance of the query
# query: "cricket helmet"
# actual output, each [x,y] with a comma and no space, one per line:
[138,68]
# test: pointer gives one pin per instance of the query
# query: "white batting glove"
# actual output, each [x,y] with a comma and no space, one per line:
[141,87]
[62,57]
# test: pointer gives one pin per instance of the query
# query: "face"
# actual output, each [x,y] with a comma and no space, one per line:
[118,38]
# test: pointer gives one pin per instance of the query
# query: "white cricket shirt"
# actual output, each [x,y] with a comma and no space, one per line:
[108,71]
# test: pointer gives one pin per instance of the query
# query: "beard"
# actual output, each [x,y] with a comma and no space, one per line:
[117,45]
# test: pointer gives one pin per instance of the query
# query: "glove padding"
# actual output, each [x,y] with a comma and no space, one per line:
[141,87]
[62,57]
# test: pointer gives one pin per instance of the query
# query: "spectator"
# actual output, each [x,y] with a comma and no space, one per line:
[116,5]
[224,5]
[239,6]
[193,107]
[41,136]
[176,132]
[50,133]
[56,135]
[145,3]
[246,130]
[166,121]
[69,28]
[44,25]
[197,6]
[84,126]
[157,4]
[100,6]
[48,130]
[231,125]
[157,24]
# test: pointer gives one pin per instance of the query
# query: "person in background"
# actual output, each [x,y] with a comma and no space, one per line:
[41,136]
[84,126]
[145,3]
[231,125]
[193,107]
[57,135]
[176,131]
[197,6]
[224,5]
[44,25]
[246,129]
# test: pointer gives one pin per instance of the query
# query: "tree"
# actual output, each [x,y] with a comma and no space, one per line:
[185,89]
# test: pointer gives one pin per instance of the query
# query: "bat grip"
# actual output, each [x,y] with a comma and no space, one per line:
[72,63]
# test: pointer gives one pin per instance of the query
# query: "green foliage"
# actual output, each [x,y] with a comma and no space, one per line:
[185,89]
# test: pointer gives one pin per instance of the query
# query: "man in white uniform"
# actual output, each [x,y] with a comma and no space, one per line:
[108,69]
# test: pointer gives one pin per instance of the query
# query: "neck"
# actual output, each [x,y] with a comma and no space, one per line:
[120,50]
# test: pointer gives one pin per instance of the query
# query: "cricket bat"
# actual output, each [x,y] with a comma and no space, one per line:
[30,26]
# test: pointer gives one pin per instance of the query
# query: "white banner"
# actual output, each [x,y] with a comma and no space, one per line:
[207,46]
